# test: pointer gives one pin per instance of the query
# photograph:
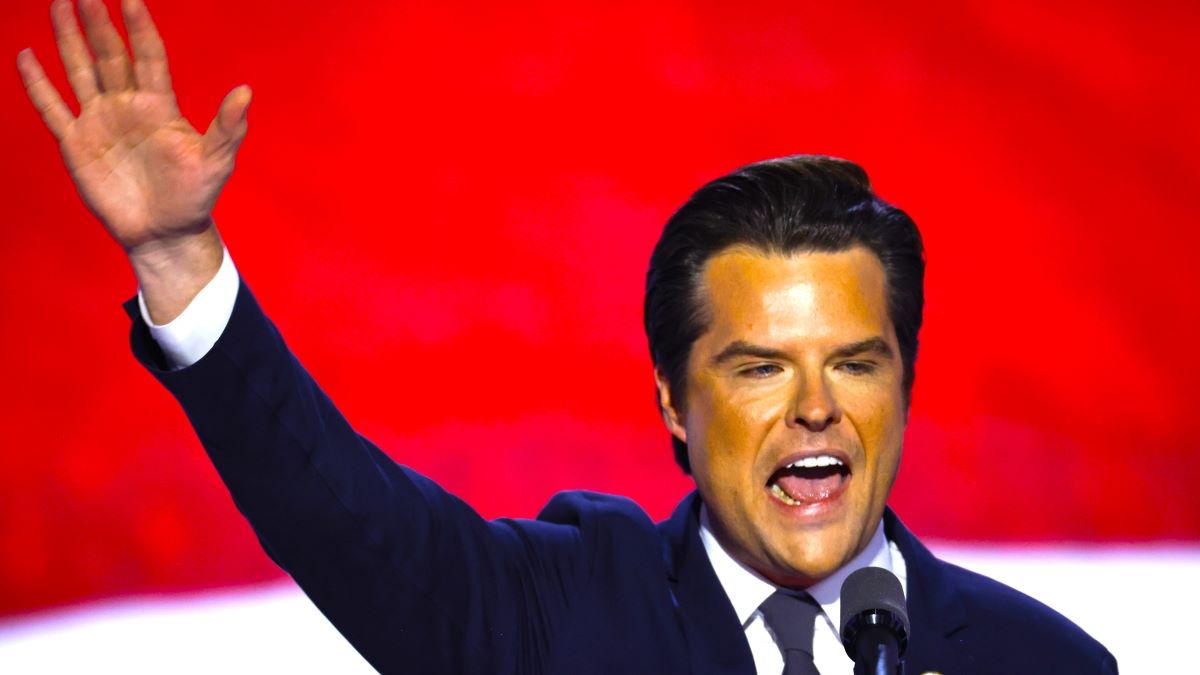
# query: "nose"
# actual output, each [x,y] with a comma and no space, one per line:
[815,406]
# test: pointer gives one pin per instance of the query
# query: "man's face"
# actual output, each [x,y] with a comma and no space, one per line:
[795,410]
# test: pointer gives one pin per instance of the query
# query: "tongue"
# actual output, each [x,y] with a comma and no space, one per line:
[808,489]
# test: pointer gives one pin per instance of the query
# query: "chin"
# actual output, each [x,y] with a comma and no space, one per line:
[812,561]
[799,579]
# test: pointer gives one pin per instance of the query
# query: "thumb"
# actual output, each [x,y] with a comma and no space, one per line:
[228,128]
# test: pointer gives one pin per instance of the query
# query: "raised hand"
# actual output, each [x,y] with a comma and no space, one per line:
[140,167]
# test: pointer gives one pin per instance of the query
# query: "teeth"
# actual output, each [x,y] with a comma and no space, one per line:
[814,462]
[783,496]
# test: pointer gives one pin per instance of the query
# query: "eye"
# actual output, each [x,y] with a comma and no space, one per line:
[857,367]
[761,371]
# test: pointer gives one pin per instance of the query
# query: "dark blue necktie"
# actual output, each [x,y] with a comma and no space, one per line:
[791,616]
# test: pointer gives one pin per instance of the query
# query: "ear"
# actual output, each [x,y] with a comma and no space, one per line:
[671,412]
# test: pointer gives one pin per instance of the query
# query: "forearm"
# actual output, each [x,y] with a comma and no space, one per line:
[323,502]
[382,551]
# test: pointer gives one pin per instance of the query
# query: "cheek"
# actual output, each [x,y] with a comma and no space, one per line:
[729,429]
[883,420]
[880,423]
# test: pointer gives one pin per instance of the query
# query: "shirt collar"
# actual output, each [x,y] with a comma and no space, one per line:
[747,589]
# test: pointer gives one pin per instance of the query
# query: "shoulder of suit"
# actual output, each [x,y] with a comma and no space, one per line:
[585,509]
[1029,628]
[618,535]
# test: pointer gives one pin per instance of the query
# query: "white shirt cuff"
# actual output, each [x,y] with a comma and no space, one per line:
[189,336]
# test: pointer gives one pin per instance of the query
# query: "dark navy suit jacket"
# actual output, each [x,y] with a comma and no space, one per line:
[419,583]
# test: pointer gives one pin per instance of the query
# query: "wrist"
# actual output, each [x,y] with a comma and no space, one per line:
[171,272]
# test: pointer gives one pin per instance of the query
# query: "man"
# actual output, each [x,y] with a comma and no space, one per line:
[783,305]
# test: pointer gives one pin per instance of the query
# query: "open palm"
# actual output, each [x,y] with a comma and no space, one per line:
[145,172]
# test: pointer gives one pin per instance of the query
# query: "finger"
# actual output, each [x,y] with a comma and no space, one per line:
[112,61]
[149,56]
[228,128]
[81,72]
[44,96]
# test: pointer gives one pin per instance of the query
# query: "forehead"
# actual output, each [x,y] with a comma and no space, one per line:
[808,295]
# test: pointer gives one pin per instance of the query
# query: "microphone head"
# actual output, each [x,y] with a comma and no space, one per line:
[872,596]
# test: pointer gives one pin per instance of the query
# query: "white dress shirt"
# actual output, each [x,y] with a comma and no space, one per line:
[747,590]
[188,337]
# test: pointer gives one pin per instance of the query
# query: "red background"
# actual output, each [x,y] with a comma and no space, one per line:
[449,209]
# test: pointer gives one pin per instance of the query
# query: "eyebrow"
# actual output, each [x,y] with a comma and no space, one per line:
[876,346]
[740,348]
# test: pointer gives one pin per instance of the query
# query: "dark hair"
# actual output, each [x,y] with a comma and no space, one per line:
[799,203]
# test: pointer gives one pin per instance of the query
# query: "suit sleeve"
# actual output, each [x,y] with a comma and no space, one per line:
[411,576]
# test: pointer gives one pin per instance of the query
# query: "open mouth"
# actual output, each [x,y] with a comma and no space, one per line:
[809,480]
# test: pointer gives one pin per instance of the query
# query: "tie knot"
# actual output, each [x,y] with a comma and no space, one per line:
[791,616]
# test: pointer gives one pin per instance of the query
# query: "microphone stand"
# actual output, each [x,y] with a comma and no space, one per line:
[876,649]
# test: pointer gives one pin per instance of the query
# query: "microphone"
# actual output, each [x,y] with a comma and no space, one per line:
[874,621]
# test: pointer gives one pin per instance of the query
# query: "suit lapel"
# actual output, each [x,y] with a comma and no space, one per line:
[716,640]
[936,613]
